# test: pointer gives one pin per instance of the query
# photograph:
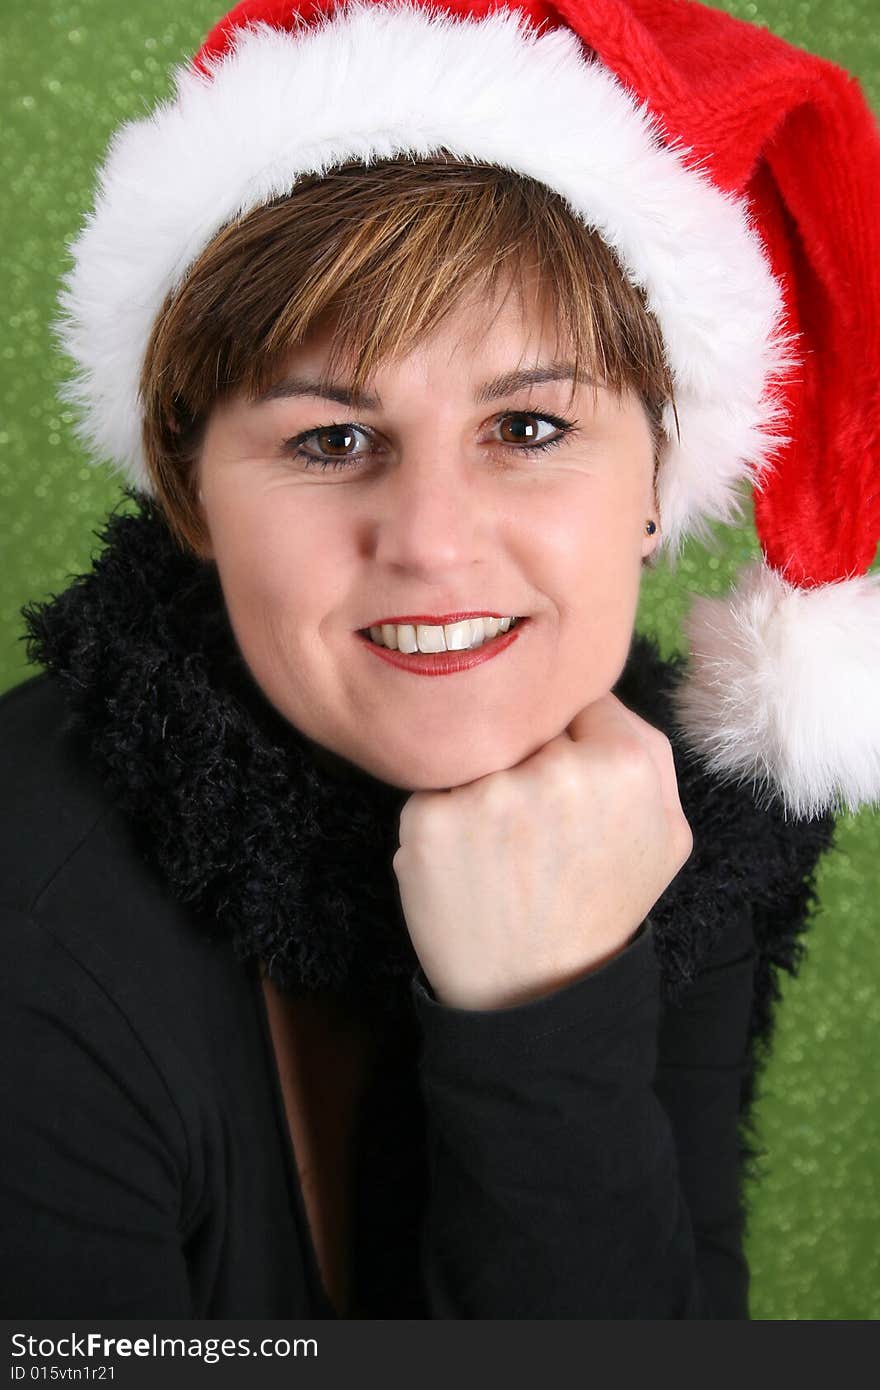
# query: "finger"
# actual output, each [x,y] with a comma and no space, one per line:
[608,718]
[605,718]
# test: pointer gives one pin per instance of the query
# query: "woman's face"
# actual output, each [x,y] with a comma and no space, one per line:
[434,502]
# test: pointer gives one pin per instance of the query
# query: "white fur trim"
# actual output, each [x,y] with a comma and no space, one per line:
[375,81]
[781,689]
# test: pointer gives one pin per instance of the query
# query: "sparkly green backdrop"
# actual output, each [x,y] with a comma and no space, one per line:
[68,76]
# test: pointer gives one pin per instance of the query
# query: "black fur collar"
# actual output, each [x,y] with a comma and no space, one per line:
[286,847]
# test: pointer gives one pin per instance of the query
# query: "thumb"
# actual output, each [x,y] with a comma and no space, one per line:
[607,719]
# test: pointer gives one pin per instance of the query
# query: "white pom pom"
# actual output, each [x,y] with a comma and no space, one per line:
[783,689]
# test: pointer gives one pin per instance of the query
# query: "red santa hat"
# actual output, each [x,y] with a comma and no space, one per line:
[738,180]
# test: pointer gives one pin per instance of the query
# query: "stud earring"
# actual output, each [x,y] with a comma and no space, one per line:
[650,527]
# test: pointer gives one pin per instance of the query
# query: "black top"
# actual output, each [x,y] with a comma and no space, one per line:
[573,1157]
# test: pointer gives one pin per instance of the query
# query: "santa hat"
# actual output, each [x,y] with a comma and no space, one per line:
[738,180]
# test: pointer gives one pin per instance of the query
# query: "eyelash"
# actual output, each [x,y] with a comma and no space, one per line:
[292,446]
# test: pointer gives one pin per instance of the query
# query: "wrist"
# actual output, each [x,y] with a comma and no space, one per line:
[527,992]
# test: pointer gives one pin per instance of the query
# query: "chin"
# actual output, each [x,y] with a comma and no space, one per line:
[444,770]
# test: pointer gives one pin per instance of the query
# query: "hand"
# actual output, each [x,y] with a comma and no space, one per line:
[517,883]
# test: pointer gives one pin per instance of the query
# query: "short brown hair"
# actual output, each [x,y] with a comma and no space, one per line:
[385,249]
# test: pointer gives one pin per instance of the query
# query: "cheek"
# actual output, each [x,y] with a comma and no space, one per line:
[267,574]
[588,538]
[594,576]
[268,546]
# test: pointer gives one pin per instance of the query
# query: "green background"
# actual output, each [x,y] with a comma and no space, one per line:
[69,73]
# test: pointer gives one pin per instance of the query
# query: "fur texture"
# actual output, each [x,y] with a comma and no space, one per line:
[495,89]
[286,849]
[781,689]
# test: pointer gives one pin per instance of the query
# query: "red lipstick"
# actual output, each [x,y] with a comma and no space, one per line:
[446,663]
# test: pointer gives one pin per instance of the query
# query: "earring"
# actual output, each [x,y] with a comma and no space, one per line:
[650,528]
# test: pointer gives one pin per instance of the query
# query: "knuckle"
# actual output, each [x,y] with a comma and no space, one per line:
[563,775]
[664,742]
[504,802]
[655,737]
[421,819]
[658,740]
[497,794]
[632,759]
[684,839]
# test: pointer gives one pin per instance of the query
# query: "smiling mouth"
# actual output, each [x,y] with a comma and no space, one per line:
[446,663]
[413,649]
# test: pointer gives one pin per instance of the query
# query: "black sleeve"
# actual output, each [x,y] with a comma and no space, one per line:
[90,1188]
[582,1147]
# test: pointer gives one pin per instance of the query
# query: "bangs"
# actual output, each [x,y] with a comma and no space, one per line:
[379,255]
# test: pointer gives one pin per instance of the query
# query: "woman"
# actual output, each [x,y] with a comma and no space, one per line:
[331,989]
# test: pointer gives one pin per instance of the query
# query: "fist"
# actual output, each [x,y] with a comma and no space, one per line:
[516,884]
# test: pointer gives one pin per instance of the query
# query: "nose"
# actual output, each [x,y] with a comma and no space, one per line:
[429,513]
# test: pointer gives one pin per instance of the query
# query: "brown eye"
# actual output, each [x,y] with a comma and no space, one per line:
[522,431]
[337,440]
[329,446]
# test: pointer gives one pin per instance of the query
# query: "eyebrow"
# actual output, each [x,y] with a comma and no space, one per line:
[505,385]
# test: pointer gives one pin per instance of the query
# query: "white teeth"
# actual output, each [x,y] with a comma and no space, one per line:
[430,639]
[451,637]
[458,636]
